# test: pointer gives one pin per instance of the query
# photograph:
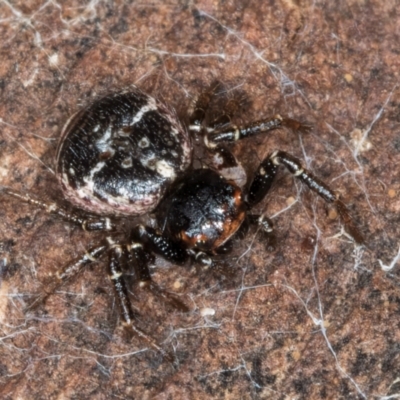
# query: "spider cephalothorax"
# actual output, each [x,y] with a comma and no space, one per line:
[128,154]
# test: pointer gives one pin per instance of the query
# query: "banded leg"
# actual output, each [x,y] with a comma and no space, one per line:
[161,245]
[267,172]
[259,188]
[140,258]
[66,273]
[88,224]
[233,133]
[200,108]
[128,317]
[202,259]
[205,264]
[170,250]
[222,155]
[174,252]
[262,182]
[266,229]
[196,120]
[263,222]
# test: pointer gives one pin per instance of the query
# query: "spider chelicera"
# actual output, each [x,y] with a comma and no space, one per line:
[128,154]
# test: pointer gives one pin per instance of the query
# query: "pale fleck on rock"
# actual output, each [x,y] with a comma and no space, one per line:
[206,312]
[332,214]
[358,141]
[348,78]
[290,200]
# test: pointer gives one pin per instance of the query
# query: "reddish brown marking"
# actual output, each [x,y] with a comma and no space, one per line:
[229,228]
[191,241]
[234,212]
[233,223]
[238,198]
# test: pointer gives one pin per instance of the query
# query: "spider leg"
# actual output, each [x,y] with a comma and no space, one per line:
[225,118]
[262,182]
[200,108]
[87,223]
[232,133]
[263,222]
[216,266]
[128,317]
[196,120]
[174,252]
[66,273]
[223,157]
[266,229]
[169,249]
[266,173]
[145,240]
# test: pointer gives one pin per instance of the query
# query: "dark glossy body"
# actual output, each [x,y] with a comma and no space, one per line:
[204,211]
[119,155]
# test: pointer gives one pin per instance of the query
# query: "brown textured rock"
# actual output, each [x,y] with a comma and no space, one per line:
[311,318]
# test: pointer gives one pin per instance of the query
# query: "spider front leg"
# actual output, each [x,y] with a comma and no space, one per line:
[232,133]
[200,108]
[87,223]
[196,124]
[265,176]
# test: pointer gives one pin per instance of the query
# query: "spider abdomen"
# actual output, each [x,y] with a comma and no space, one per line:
[119,155]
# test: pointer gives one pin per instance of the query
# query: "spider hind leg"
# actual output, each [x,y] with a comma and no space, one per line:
[115,270]
[66,273]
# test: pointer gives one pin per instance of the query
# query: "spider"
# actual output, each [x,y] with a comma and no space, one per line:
[127,154]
